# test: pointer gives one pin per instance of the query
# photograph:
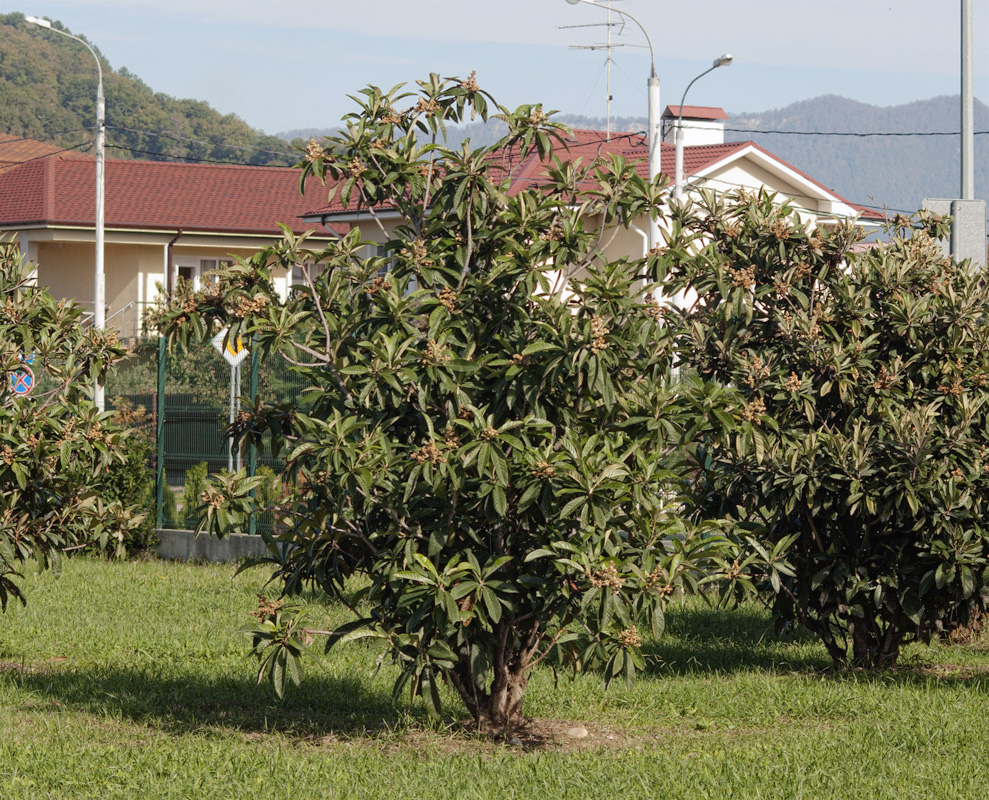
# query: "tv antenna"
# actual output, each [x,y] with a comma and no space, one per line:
[607,46]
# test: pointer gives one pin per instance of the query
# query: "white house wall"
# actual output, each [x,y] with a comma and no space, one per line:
[753,177]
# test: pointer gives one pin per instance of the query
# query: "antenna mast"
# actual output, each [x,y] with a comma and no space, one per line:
[607,46]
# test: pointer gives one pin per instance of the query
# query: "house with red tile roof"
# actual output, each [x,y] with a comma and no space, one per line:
[709,163]
[162,221]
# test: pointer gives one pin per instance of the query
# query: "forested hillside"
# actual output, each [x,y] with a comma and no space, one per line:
[48,92]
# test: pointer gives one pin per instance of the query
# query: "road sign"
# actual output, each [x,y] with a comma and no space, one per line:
[233,350]
[22,381]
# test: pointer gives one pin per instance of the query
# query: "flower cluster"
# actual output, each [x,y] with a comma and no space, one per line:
[629,638]
[427,107]
[743,278]
[450,439]
[249,305]
[435,354]
[417,252]
[653,309]
[267,609]
[429,452]
[378,284]
[753,410]
[355,168]
[780,229]
[884,379]
[757,371]
[448,299]
[954,388]
[544,470]
[314,151]
[554,234]
[599,331]
[607,578]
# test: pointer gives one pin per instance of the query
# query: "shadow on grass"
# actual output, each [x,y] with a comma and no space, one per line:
[322,707]
[701,640]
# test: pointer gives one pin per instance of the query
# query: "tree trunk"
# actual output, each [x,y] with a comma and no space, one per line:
[874,649]
[500,708]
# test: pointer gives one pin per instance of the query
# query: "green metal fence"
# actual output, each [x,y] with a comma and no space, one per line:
[187,394]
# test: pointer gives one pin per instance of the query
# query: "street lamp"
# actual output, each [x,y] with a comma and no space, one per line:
[99,310]
[724,61]
[654,133]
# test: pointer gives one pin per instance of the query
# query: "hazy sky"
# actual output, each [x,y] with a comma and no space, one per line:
[290,64]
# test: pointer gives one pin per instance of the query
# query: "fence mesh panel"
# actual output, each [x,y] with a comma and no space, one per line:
[196,406]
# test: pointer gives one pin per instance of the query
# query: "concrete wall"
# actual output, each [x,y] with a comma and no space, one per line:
[187,546]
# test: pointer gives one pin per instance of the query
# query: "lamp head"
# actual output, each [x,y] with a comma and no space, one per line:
[573,2]
[41,23]
[724,61]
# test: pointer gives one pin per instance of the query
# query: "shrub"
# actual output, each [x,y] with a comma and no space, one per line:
[484,450]
[849,441]
[56,450]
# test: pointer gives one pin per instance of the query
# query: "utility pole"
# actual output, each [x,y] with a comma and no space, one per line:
[968,135]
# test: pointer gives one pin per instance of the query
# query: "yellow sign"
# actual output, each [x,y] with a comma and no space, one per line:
[232,350]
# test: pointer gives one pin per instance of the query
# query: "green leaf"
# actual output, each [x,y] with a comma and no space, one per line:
[500,501]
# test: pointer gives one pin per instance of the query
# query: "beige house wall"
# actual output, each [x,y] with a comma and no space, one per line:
[135,264]
[67,270]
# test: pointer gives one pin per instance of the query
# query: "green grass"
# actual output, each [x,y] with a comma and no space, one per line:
[123,680]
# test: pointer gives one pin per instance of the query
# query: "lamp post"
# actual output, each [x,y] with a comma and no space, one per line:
[724,61]
[99,303]
[654,134]
[967,103]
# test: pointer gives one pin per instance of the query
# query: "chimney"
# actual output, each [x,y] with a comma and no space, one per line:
[701,125]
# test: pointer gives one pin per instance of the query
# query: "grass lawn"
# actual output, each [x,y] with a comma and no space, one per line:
[129,680]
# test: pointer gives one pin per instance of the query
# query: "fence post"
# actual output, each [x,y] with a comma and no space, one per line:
[252,448]
[160,437]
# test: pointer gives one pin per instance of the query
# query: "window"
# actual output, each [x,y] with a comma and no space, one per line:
[198,270]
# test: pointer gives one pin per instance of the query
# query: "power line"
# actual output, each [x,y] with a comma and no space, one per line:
[200,141]
[188,158]
[844,133]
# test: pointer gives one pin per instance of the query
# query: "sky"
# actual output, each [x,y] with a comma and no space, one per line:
[290,64]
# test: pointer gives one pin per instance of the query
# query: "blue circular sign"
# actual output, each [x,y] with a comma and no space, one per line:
[22,381]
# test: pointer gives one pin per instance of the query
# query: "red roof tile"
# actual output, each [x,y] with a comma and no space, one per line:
[695,112]
[16,150]
[157,195]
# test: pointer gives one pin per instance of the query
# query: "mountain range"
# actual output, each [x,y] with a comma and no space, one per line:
[908,162]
